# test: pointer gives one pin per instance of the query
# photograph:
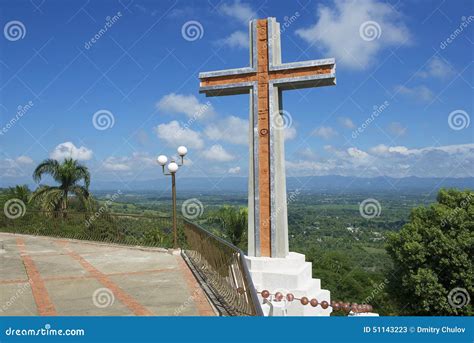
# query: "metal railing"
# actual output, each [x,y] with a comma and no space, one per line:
[222,268]
[116,228]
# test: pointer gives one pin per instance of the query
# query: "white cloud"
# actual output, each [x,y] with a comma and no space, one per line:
[305,167]
[324,132]
[394,161]
[337,31]
[307,153]
[421,93]
[217,153]
[231,129]
[289,133]
[400,149]
[382,149]
[379,149]
[243,13]
[356,153]
[351,155]
[436,68]
[397,129]
[24,160]
[239,11]
[347,122]
[116,164]
[127,163]
[185,104]
[69,150]
[237,39]
[174,135]
[235,170]
[14,167]
[236,131]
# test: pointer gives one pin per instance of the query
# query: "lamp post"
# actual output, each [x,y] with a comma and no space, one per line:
[172,169]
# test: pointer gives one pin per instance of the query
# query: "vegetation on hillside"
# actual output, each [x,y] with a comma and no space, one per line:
[21,192]
[433,258]
[232,223]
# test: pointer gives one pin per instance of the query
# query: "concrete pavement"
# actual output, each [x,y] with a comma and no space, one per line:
[49,276]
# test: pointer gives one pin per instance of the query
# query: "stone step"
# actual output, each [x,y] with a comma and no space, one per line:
[264,263]
[310,289]
[289,275]
[293,279]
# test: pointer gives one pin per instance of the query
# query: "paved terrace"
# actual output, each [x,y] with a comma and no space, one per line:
[49,277]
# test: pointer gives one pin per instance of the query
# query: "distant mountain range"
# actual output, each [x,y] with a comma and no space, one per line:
[306,184]
[332,183]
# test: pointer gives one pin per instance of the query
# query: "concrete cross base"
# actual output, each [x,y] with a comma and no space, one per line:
[289,275]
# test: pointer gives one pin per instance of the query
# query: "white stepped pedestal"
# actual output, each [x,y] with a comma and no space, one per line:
[289,275]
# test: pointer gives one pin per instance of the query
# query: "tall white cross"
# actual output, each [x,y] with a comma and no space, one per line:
[264,81]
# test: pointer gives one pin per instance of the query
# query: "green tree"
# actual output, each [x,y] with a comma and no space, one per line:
[232,221]
[69,174]
[433,257]
[21,192]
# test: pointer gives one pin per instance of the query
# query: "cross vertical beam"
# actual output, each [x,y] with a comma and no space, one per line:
[264,138]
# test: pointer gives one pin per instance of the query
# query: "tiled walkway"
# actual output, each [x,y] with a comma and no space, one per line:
[48,277]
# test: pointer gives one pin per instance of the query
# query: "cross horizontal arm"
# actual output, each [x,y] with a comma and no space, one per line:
[286,76]
[227,82]
[305,74]
[303,64]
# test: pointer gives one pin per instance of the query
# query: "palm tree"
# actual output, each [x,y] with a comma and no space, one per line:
[21,192]
[69,175]
[233,222]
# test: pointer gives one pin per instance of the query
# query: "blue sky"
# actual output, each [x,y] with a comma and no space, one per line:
[412,61]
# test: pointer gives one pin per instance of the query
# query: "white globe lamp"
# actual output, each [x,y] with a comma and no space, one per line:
[182,151]
[162,159]
[173,167]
